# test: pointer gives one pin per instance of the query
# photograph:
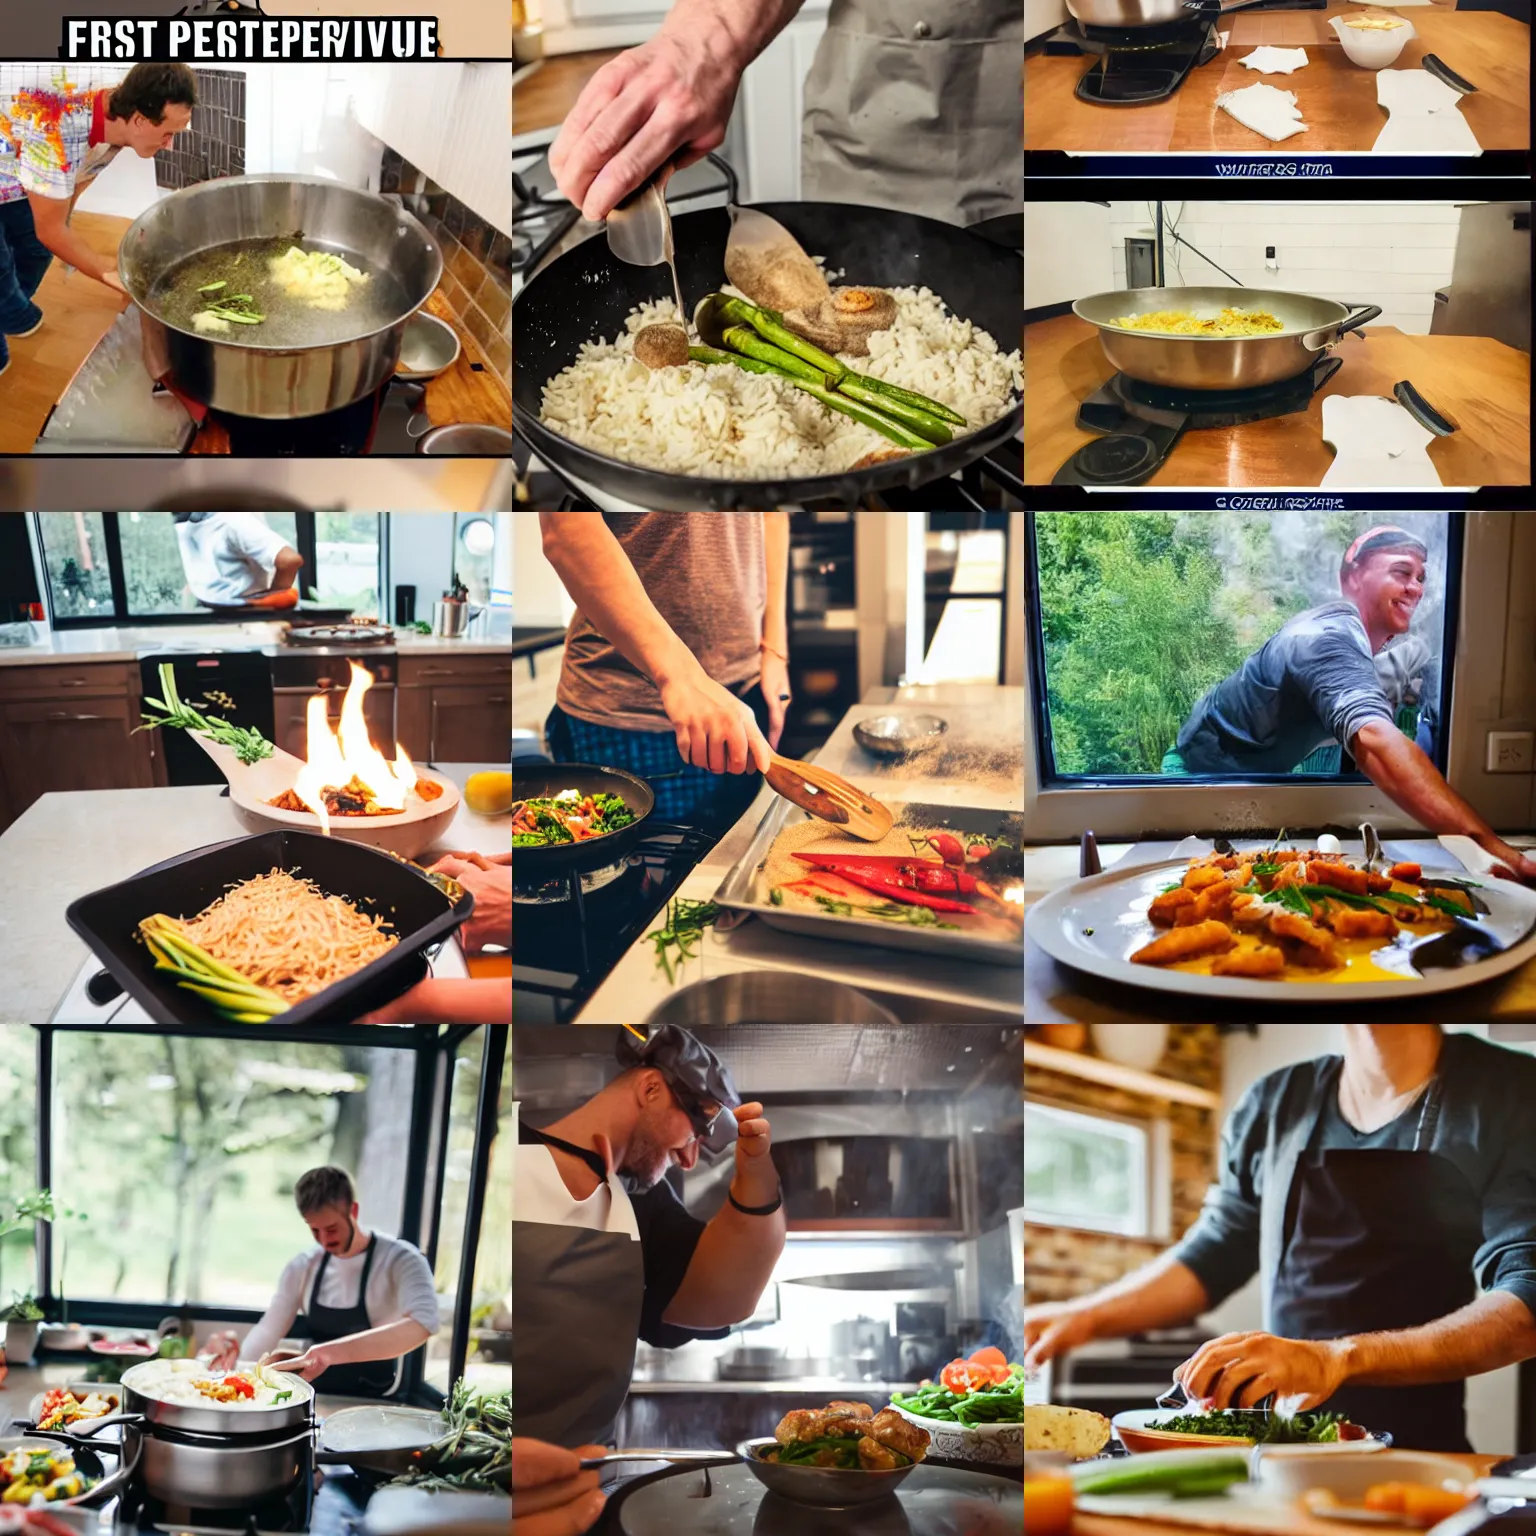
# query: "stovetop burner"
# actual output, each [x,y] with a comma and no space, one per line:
[1142,422]
[1136,65]
[339,634]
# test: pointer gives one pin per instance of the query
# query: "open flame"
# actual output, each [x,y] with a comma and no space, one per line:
[333,757]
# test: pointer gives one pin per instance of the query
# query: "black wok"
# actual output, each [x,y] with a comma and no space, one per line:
[534,783]
[586,294]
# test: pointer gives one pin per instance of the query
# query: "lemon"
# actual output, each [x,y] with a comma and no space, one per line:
[488,794]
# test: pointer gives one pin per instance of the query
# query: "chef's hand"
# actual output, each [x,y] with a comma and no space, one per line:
[309,1364]
[1238,1369]
[774,676]
[1513,864]
[714,729]
[757,1180]
[673,93]
[490,883]
[551,1496]
[449,1000]
[1053,1328]
[223,1350]
[112,280]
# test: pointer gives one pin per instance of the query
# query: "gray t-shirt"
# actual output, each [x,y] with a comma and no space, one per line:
[1312,682]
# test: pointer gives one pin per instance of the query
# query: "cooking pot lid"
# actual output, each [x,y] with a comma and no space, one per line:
[933,1501]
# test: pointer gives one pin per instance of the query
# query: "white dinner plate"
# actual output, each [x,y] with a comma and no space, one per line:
[1094,925]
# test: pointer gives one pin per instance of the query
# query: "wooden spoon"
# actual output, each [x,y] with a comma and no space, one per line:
[833,799]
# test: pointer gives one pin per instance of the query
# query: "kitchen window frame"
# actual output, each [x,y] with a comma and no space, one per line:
[1058,807]
[426,1143]
[122,617]
[1157,1173]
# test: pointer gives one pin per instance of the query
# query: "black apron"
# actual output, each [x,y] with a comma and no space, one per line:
[1382,1240]
[576,1298]
[362,1378]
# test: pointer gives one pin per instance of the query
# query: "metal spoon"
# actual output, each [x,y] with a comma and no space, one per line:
[640,230]
[589,1463]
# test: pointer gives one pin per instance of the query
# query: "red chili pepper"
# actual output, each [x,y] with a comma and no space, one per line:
[915,874]
[896,879]
[948,848]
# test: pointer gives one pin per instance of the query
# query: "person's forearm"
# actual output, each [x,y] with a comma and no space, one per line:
[387,1342]
[69,247]
[286,572]
[776,557]
[735,1258]
[1161,1294]
[1494,1331]
[1401,770]
[597,573]
[266,1335]
[744,27]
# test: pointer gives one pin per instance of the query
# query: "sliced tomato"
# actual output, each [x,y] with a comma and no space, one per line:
[989,1354]
[960,1376]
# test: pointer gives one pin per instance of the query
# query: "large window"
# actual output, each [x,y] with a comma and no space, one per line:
[183,1155]
[1138,615]
[1085,1170]
[119,567]
[18,1160]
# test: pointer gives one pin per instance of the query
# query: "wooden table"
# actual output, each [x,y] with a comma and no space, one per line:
[1297,1522]
[1337,98]
[1483,386]
[542,99]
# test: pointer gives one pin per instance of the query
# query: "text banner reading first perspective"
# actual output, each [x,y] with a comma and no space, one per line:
[242,39]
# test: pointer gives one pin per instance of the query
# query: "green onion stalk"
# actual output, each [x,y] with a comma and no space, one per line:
[247,743]
[234,996]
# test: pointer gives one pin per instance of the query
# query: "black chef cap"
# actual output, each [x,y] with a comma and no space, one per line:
[690,1067]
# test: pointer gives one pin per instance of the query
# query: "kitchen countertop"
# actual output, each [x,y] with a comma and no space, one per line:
[1337,98]
[112,643]
[1058,994]
[1482,386]
[66,845]
[918,988]
[543,98]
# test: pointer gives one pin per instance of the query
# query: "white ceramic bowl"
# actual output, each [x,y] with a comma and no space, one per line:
[1348,1476]
[1373,49]
[998,1444]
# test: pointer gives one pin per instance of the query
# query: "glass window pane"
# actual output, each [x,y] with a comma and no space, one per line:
[18,1132]
[1144,613]
[1084,1171]
[489,1363]
[153,572]
[474,539]
[347,553]
[75,560]
[184,1154]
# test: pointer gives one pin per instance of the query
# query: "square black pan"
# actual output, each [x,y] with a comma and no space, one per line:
[375,882]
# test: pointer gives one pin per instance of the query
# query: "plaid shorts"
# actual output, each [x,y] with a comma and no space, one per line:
[685,795]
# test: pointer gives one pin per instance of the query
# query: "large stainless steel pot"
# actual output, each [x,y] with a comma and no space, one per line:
[223,1422]
[1310,327]
[243,376]
[216,1471]
[1148,13]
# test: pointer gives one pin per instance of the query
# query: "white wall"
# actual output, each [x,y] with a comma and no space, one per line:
[420,553]
[1391,254]
[1491,1398]
[538,596]
[1067,253]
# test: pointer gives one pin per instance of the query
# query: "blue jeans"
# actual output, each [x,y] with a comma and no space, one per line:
[685,795]
[23,261]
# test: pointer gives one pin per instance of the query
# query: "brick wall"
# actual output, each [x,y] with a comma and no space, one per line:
[1063,1262]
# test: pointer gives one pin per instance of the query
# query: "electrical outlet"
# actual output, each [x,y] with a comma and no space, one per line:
[1511,751]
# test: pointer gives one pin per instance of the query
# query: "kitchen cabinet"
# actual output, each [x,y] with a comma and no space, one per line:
[71,727]
[455,708]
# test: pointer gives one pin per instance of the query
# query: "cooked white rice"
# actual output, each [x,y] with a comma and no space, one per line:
[718,420]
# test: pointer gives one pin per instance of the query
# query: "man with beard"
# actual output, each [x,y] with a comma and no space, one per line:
[606,1255]
[1319,679]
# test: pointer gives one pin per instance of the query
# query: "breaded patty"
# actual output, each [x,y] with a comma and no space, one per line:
[1266,960]
[1185,944]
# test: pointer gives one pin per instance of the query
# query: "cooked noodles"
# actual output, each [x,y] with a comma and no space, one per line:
[1182,322]
[287,935]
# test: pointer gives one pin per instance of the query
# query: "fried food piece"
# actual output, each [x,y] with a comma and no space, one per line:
[888,1428]
[851,1410]
[1165,907]
[1340,876]
[1200,876]
[798,1424]
[1310,958]
[1348,923]
[1284,856]
[1266,960]
[1185,944]
[1249,911]
[1315,943]
[1409,874]
[1294,873]
[874,1457]
[1214,901]
[1241,876]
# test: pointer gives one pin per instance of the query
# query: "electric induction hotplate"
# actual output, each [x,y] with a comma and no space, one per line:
[1141,423]
[936,1500]
[1136,65]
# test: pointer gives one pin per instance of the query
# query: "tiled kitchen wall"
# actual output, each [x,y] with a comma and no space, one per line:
[1063,1262]
[1392,254]
[477,259]
[215,143]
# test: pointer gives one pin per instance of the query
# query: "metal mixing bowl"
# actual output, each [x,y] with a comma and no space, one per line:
[824,1487]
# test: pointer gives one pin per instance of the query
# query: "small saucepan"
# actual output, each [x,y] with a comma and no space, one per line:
[1122,14]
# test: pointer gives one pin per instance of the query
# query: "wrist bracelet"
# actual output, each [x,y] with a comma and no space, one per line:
[757,1210]
[763,645]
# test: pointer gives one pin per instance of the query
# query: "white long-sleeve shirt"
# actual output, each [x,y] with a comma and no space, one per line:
[399,1286]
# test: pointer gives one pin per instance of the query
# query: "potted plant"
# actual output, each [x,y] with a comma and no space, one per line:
[21,1320]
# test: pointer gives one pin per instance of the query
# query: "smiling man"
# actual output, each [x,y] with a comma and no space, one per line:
[1319,679]
[1386,1199]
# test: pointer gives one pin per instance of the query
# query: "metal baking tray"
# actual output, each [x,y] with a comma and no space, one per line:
[737,889]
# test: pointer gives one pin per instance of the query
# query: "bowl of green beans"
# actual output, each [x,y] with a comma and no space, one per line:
[982,1424]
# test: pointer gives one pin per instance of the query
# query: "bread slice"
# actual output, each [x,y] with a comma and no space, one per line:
[1077,1431]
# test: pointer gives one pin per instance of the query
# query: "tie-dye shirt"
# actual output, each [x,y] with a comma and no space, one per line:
[50,132]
